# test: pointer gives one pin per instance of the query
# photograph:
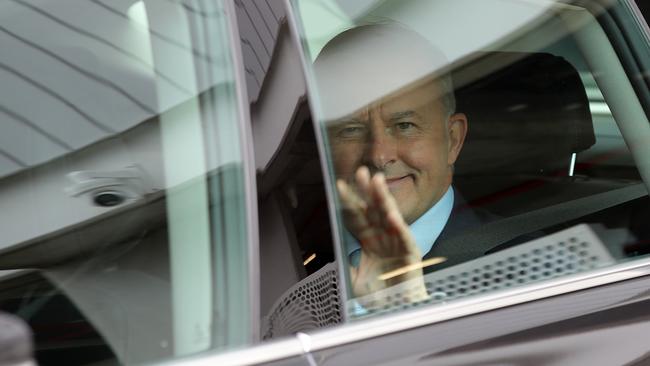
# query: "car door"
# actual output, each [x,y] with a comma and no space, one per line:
[555,154]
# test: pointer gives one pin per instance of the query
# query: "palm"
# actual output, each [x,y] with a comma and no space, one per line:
[372,216]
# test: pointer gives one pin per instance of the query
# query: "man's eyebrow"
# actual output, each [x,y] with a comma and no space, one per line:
[403,114]
[347,120]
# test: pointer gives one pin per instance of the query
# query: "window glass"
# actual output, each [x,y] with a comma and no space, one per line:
[124,234]
[474,147]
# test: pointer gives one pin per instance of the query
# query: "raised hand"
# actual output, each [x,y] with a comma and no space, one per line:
[389,254]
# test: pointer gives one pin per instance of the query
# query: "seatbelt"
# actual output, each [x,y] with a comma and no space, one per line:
[476,241]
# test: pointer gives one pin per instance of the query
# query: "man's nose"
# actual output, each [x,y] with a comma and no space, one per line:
[381,149]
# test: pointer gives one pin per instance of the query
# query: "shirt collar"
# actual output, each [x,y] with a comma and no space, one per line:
[426,229]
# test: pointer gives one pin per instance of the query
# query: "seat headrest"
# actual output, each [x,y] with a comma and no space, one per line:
[527,113]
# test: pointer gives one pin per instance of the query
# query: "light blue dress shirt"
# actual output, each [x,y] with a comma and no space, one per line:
[425,229]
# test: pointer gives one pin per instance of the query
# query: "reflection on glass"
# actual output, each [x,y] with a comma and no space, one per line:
[122,181]
[474,163]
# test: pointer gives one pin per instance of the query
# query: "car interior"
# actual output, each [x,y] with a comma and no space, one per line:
[533,157]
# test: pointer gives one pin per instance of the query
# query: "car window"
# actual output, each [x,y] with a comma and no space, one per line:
[125,236]
[476,147]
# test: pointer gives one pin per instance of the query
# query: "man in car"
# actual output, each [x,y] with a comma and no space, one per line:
[394,136]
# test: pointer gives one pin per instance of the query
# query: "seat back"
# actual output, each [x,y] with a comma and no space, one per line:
[527,113]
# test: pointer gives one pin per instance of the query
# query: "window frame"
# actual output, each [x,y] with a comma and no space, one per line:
[248,160]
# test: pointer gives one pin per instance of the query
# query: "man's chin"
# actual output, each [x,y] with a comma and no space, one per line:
[407,207]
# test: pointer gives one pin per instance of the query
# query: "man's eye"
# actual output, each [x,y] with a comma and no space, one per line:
[351,131]
[405,126]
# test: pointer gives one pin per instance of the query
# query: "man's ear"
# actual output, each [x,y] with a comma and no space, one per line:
[456,130]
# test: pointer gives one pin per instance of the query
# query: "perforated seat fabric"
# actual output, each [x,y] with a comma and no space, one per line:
[312,303]
[315,302]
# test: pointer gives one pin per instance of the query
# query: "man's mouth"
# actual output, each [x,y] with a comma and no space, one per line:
[395,182]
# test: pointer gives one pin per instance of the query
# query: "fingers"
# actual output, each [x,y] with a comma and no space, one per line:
[359,201]
[383,200]
[386,203]
[349,198]
[362,177]
[354,274]
[386,206]
[354,209]
[392,219]
[373,217]
[376,240]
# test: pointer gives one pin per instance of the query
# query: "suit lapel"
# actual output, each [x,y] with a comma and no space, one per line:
[462,218]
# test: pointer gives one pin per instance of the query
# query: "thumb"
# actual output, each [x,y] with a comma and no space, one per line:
[354,272]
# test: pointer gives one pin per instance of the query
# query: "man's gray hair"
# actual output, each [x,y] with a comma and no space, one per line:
[448,98]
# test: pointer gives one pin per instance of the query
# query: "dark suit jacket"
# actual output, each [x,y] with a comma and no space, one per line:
[464,217]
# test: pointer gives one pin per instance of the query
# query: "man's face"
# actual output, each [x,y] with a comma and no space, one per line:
[409,138]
